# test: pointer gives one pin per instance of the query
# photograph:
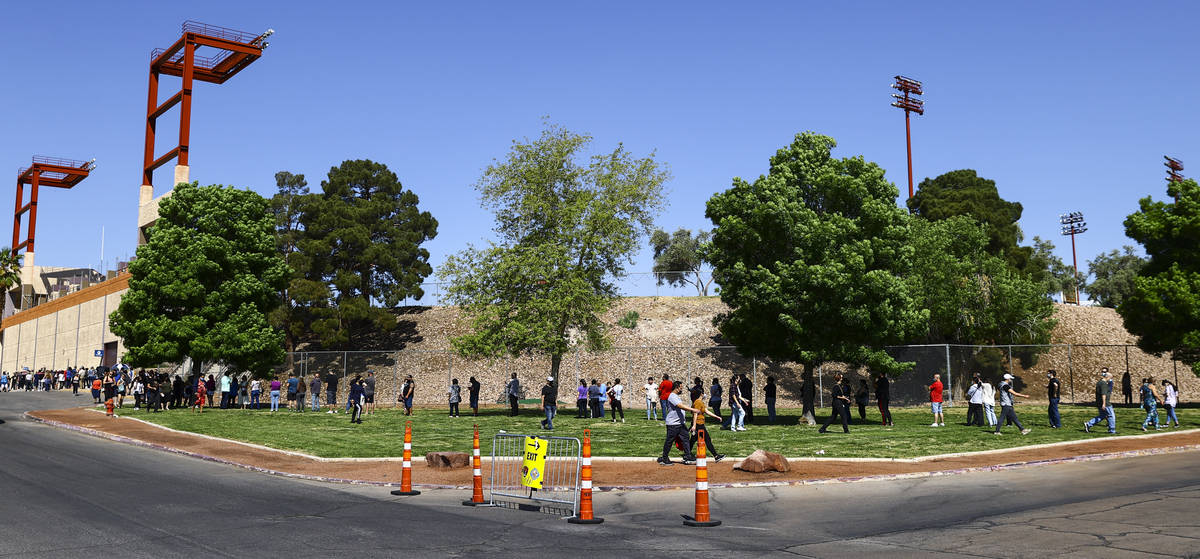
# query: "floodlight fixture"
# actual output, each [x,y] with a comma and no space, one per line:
[1073,224]
[909,103]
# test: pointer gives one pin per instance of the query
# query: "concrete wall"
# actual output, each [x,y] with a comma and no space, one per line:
[63,332]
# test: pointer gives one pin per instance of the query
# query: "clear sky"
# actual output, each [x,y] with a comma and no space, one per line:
[1066,105]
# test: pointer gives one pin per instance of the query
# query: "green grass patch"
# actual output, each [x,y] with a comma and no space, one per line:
[382,434]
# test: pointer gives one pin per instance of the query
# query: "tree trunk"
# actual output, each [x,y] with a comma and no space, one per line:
[555,367]
[808,403]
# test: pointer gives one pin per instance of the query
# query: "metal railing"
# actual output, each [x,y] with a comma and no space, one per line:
[560,489]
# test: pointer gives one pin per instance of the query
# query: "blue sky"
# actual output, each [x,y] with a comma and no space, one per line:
[1067,105]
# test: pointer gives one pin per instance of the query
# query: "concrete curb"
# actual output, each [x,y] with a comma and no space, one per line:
[609,488]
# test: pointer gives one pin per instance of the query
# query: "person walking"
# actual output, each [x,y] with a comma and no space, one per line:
[989,402]
[861,397]
[473,392]
[138,390]
[581,401]
[975,402]
[369,392]
[652,398]
[331,382]
[314,391]
[808,396]
[839,403]
[1006,405]
[455,392]
[769,392]
[549,403]
[883,398]
[677,432]
[1104,405]
[714,396]
[408,392]
[276,386]
[935,401]
[737,405]
[614,400]
[699,432]
[201,393]
[1053,393]
[1170,401]
[513,390]
[301,393]
[357,398]
[1150,400]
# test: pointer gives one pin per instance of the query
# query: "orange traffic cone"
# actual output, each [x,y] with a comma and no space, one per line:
[585,489]
[701,519]
[476,474]
[406,466]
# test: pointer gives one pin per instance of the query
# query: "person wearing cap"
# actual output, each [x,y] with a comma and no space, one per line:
[410,388]
[1006,405]
[549,403]
[1103,404]
[1053,392]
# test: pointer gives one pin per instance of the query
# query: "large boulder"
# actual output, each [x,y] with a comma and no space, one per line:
[448,459]
[762,461]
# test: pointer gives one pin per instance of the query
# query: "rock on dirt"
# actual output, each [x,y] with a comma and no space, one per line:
[448,460]
[762,461]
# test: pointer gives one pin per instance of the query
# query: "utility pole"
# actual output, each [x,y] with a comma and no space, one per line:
[1073,224]
[910,103]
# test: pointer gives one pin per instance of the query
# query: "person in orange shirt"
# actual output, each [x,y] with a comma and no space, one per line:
[201,393]
[96,386]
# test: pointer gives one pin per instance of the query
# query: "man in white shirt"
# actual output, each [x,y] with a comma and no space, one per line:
[975,402]
[614,399]
[989,402]
[651,389]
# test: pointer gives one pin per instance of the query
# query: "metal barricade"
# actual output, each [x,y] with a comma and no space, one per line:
[560,486]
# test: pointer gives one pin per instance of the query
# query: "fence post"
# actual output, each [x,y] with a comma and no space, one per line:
[821,386]
[1071,369]
[949,382]
[1126,357]
[1010,367]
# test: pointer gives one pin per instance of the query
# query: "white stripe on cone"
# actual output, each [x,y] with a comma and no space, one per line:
[587,484]
[476,472]
[587,460]
[701,462]
[476,452]
[407,464]
[701,486]
[407,446]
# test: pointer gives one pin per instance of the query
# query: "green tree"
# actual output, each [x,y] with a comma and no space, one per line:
[1163,309]
[202,286]
[963,192]
[567,227]
[1050,270]
[679,258]
[10,269]
[1114,272]
[812,260]
[286,207]
[360,251]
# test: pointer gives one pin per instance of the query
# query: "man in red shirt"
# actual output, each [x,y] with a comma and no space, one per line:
[935,401]
[664,390]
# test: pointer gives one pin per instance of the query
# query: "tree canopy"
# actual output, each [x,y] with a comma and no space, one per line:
[1114,273]
[203,283]
[679,258]
[360,252]
[286,207]
[812,259]
[964,192]
[1163,309]
[567,227]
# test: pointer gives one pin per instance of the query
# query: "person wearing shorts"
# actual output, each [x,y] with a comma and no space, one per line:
[935,401]
[331,382]
[369,392]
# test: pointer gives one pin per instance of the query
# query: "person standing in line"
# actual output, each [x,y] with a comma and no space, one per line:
[1150,400]
[292,384]
[714,396]
[237,391]
[473,392]
[699,432]
[583,411]
[861,397]
[513,390]
[301,394]
[677,432]
[314,390]
[356,398]
[1104,405]
[1126,387]
[153,400]
[808,396]
[210,387]
[1170,400]
[97,385]
[369,392]
[737,405]
[935,401]
[276,386]
[138,389]
[975,402]
[1006,405]
[840,404]
[665,387]
[410,392]
[883,398]
[1053,393]
[201,394]
[594,399]
[614,400]
[455,392]
[331,382]
[989,402]
[603,398]
[74,382]
[255,392]
[549,403]
[769,392]
[696,390]
[225,386]
[746,387]
[652,398]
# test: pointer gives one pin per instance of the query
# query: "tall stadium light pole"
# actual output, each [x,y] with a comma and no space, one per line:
[1073,224]
[910,103]
[1174,171]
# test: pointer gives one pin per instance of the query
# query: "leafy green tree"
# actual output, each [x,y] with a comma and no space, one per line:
[10,269]
[1163,309]
[567,227]
[1114,272]
[202,286]
[972,296]
[963,192]
[812,260]
[1048,269]
[679,258]
[286,207]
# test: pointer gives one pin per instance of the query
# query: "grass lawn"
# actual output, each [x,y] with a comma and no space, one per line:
[382,434]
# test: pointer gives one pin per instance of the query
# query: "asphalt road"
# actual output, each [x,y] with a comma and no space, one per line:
[64,494]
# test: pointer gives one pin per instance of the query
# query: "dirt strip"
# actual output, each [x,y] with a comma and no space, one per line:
[608,475]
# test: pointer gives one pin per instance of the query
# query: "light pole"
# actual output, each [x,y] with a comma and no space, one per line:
[910,103]
[1174,171]
[1073,224]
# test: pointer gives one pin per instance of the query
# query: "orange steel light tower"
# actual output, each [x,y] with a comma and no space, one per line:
[44,171]
[911,104]
[1174,171]
[234,50]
